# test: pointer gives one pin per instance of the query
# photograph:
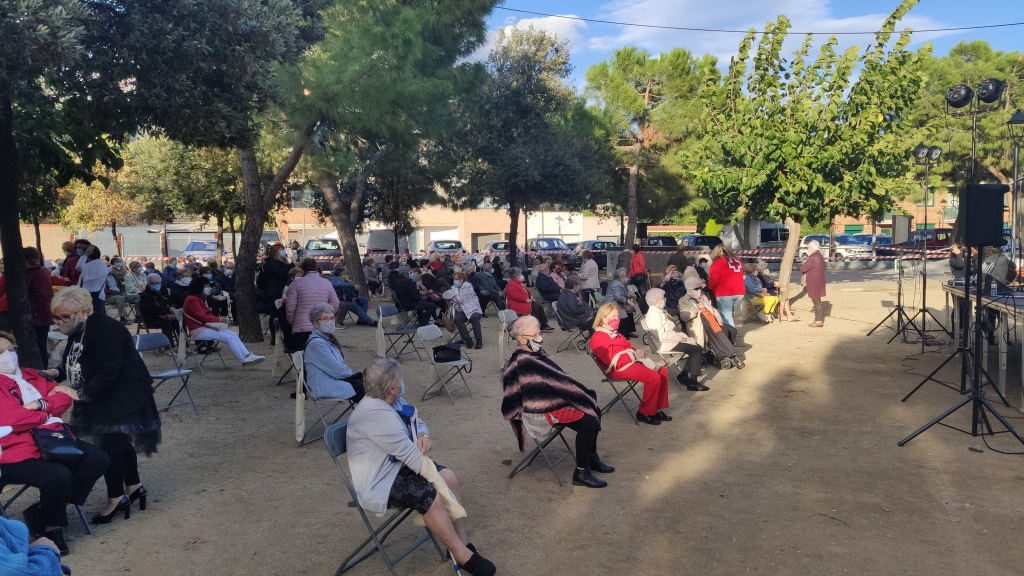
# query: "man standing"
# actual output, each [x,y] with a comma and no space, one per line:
[589,276]
[678,259]
[40,293]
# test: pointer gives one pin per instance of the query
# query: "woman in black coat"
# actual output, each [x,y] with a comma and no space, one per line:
[114,394]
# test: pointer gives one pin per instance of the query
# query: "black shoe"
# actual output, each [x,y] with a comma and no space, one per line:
[585,478]
[546,328]
[477,565]
[652,420]
[630,335]
[468,343]
[694,386]
[57,535]
[373,324]
[124,505]
[598,466]
[479,344]
[662,416]
[33,519]
[140,495]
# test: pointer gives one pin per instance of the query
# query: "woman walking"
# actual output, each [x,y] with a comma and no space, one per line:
[814,274]
[725,278]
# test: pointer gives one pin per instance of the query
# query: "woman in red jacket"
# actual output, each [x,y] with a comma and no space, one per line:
[29,401]
[520,301]
[726,281]
[197,316]
[619,360]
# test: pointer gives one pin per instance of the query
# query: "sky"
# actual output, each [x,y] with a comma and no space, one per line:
[593,42]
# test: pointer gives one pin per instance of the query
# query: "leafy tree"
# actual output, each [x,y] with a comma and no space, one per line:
[649,102]
[803,141]
[94,206]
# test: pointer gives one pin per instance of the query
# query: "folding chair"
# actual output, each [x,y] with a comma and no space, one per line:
[673,359]
[190,343]
[307,394]
[401,334]
[5,505]
[506,317]
[538,450]
[620,394]
[431,333]
[336,443]
[148,342]
[279,351]
[577,337]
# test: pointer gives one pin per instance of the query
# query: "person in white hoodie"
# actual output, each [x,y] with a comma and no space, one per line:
[667,340]
[390,468]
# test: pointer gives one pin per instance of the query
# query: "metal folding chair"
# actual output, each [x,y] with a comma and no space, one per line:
[539,446]
[190,343]
[577,337]
[669,358]
[431,333]
[620,394]
[5,505]
[148,342]
[301,388]
[388,315]
[336,443]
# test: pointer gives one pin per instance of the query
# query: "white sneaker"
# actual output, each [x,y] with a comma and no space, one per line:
[253,359]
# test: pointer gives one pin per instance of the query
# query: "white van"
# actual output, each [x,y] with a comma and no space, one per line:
[383,241]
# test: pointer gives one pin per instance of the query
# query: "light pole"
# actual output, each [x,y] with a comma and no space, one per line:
[1015,130]
[559,220]
[928,156]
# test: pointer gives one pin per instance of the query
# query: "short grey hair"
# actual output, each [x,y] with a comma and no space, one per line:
[522,325]
[153,275]
[488,268]
[620,272]
[515,272]
[381,375]
[813,246]
[318,310]
[73,299]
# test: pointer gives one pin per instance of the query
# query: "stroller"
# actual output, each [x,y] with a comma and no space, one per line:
[718,349]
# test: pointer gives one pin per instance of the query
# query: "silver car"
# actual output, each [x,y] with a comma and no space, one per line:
[203,250]
[846,247]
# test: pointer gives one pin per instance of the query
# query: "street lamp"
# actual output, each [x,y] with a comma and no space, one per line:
[1015,130]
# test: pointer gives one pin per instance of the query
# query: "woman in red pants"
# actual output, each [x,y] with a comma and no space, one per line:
[621,361]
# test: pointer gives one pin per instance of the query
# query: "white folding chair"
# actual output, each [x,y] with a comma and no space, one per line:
[191,344]
[337,445]
[620,394]
[429,334]
[156,341]
[304,396]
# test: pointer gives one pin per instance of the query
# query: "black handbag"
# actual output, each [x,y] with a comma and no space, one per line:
[447,353]
[57,445]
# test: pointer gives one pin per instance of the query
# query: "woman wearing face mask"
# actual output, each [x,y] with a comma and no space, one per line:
[619,360]
[387,456]
[667,340]
[327,374]
[178,292]
[538,395]
[619,295]
[467,308]
[93,276]
[704,324]
[520,301]
[197,315]
[28,401]
[226,280]
[114,391]
[272,280]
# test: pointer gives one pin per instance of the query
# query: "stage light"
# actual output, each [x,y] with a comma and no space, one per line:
[989,91]
[959,96]
[934,153]
[920,152]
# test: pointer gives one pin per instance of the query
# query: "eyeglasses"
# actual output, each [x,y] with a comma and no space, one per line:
[11,348]
[64,318]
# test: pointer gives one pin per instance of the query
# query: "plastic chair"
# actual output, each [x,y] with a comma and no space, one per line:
[307,397]
[431,333]
[337,444]
[148,342]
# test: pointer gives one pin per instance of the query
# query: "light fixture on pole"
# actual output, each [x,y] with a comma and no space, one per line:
[927,156]
[1015,130]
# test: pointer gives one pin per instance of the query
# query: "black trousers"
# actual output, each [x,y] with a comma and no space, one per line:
[586,429]
[693,354]
[124,464]
[59,484]
[424,310]
[42,339]
[537,311]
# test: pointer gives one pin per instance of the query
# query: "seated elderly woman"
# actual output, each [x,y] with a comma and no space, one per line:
[704,324]
[29,401]
[203,325]
[390,469]
[619,295]
[674,290]
[327,374]
[620,361]
[467,309]
[538,395]
[758,293]
[661,329]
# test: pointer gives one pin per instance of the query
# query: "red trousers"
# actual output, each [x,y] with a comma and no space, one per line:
[655,396]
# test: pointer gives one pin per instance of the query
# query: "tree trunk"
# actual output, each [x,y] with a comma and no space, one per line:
[113,232]
[786,268]
[220,239]
[10,238]
[634,182]
[39,237]
[513,234]
[234,239]
[743,231]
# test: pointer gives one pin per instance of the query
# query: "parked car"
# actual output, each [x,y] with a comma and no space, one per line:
[876,239]
[492,249]
[701,241]
[598,247]
[268,237]
[383,242]
[936,238]
[572,245]
[203,250]
[442,247]
[657,242]
[322,250]
[846,246]
[545,247]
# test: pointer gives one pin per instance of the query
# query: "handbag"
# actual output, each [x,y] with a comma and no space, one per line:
[447,353]
[448,319]
[57,445]
[218,326]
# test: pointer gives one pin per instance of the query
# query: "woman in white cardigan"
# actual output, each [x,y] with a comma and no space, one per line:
[467,308]
[390,469]
[661,329]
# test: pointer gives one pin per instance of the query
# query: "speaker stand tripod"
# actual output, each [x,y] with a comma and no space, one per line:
[924,313]
[972,372]
[903,320]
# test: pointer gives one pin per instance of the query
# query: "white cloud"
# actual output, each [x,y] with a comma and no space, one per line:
[805,15]
[562,28]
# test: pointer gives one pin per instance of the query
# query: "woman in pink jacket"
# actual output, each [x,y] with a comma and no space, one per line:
[303,293]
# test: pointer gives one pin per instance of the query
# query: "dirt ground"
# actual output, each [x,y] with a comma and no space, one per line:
[789,466]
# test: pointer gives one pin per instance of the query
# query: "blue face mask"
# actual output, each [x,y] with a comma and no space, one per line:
[455,283]
[402,393]
[209,276]
[154,287]
[412,277]
[79,251]
[282,254]
[119,265]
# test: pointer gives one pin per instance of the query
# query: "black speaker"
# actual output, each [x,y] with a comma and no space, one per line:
[981,211]
[641,229]
[901,228]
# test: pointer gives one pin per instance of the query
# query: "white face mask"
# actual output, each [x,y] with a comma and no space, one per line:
[8,362]
[207,290]
[535,343]
[229,272]
[185,281]
[71,327]
[327,327]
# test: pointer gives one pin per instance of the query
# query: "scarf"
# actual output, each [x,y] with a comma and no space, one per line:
[709,317]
